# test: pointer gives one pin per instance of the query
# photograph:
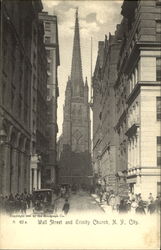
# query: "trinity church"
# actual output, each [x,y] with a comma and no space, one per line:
[74,144]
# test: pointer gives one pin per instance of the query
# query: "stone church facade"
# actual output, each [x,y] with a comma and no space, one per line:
[75,159]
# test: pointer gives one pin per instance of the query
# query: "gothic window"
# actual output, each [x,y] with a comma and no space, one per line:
[77,138]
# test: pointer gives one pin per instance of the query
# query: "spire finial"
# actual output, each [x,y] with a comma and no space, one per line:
[76,69]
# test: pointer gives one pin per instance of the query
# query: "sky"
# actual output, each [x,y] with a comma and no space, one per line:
[96,19]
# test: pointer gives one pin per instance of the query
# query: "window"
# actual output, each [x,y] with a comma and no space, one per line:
[48,66]
[48,174]
[3,92]
[25,115]
[20,105]
[158,2]
[158,102]
[48,92]
[47,26]
[158,30]
[158,151]
[158,26]
[100,115]
[158,69]
[47,39]
[34,36]
[12,97]
[158,188]
[48,53]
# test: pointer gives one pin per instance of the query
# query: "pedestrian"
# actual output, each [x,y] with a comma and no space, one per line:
[150,198]
[134,205]
[122,206]
[107,197]
[131,196]
[101,195]
[117,202]
[23,206]
[140,209]
[152,207]
[128,203]
[11,198]
[112,201]
[158,204]
[66,207]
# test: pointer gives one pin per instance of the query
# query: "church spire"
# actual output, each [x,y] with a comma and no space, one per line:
[76,69]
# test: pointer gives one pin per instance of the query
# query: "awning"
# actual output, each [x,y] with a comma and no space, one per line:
[131,180]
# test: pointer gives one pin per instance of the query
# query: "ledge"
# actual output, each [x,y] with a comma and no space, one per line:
[136,89]
[132,130]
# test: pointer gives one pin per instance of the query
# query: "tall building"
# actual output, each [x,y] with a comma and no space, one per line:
[104,137]
[50,172]
[42,142]
[18,93]
[136,101]
[75,162]
[138,97]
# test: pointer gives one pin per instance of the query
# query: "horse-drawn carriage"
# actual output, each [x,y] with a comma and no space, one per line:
[44,201]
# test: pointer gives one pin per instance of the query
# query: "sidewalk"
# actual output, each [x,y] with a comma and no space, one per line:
[106,208]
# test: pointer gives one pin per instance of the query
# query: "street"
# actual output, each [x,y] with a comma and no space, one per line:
[81,203]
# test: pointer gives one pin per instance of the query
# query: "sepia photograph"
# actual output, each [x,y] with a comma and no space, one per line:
[80,124]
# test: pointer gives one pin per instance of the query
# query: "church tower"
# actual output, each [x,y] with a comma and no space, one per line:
[75,161]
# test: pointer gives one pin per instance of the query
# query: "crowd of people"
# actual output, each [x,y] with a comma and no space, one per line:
[16,203]
[19,203]
[131,203]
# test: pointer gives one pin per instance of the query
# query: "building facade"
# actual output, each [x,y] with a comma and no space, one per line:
[75,162]
[42,142]
[138,94]
[104,137]
[50,173]
[136,99]
[18,92]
